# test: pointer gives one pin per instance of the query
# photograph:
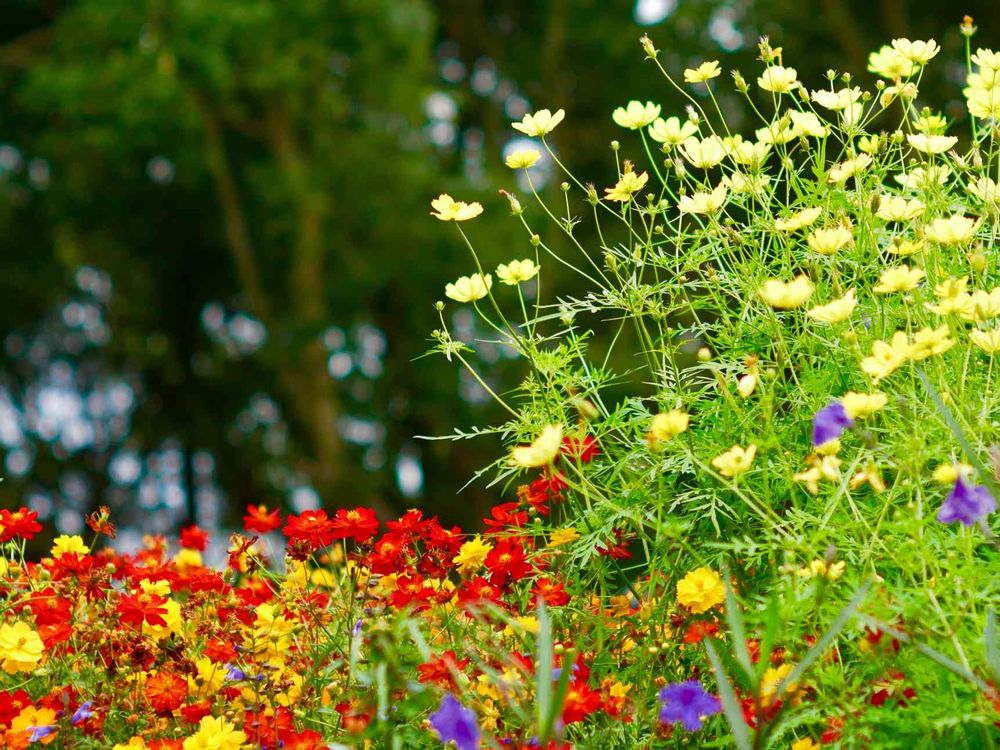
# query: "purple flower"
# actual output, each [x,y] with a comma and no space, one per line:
[966,504]
[452,721]
[40,733]
[688,703]
[829,422]
[82,713]
[235,673]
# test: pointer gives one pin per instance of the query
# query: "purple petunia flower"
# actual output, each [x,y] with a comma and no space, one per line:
[966,504]
[688,703]
[40,733]
[82,713]
[452,721]
[829,422]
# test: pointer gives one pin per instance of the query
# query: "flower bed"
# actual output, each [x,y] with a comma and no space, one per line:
[756,515]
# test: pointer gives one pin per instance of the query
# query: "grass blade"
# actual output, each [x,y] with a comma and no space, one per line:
[730,706]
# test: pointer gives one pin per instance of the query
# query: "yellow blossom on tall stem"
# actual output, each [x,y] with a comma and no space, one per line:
[541,123]
[21,648]
[216,733]
[701,590]
[541,452]
[472,555]
[447,208]
[735,461]
[636,115]
[786,296]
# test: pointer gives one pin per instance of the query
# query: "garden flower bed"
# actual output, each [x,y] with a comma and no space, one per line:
[753,510]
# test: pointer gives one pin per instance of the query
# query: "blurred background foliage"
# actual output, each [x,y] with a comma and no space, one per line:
[218,266]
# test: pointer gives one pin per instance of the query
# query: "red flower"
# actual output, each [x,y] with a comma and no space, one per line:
[698,630]
[19,523]
[580,449]
[552,592]
[309,739]
[507,561]
[99,521]
[581,701]
[193,537]
[506,514]
[144,607]
[359,524]
[165,691]
[313,527]
[617,550]
[261,520]
[411,591]
[441,670]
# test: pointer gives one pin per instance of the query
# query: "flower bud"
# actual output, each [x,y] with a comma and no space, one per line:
[648,48]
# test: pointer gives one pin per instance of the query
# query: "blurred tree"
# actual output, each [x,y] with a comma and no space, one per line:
[253,179]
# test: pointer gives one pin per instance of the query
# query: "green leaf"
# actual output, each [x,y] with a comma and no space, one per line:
[824,642]
[730,706]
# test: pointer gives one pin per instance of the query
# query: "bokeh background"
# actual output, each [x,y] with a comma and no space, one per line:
[218,267]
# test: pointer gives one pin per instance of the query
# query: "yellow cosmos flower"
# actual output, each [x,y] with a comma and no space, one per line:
[516,271]
[472,555]
[887,357]
[905,247]
[924,178]
[469,288]
[703,154]
[835,101]
[930,341]
[69,545]
[917,52]
[636,115]
[947,473]
[805,125]
[897,208]
[931,124]
[889,63]
[559,537]
[539,124]
[703,203]
[186,559]
[216,734]
[447,208]
[704,72]
[735,461]
[786,296]
[982,306]
[819,569]
[542,451]
[742,183]
[823,467]
[860,405]
[798,221]
[20,647]
[672,131]
[746,153]
[628,185]
[845,170]
[898,279]
[829,241]
[805,743]
[773,676]
[700,590]
[955,230]
[134,743]
[986,190]
[669,424]
[988,341]
[778,79]
[24,726]
[523,158]
[836,311]
[931,144]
